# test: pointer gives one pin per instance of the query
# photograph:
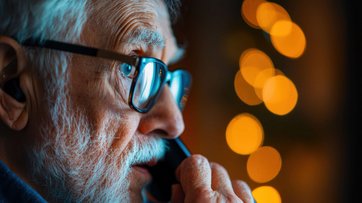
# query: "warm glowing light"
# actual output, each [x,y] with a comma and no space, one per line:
[244,91]
[266,194]
[278,72]
[262,78]
[252,63]
[288,39]
[264,164]
[259,93]
[268,14]
[248,11]
[244,134]
[281,28]
[280,95]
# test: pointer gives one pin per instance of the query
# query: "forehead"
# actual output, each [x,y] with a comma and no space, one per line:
[129,21]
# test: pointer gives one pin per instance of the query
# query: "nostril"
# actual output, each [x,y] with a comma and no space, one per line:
[160,133]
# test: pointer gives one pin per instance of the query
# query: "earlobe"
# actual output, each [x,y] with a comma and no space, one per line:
[13,111]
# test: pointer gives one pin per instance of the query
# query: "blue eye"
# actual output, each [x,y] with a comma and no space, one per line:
[126,69]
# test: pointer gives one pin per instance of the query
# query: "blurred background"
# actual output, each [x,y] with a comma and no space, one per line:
[275,94]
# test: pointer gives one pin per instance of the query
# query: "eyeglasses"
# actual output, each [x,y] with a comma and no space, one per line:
[148,74]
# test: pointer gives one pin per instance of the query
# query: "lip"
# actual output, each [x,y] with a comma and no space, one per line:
[141,173]
[141,169]
[151,163]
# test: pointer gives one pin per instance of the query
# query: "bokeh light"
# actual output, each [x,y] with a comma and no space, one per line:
[266,194]
[288,39]
[279,72]
[280,95]
[261,79]
[245,91]
[253,62]
[263,76]
[244,134]
[268,14]
[264,164]
[259,93]
[248,11]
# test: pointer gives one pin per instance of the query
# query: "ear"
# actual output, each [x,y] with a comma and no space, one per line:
[13,110]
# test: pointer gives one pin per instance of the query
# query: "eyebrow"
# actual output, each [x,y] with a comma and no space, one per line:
[147,36]
[153,39]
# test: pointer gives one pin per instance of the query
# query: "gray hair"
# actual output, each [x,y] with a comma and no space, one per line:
[64,20]
[44,19]
[50,19]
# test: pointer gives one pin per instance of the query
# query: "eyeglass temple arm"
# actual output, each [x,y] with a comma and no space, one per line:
[79,49]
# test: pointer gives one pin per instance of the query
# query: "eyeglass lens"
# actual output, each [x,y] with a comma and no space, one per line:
[150,80]
[179,86]
[147,86]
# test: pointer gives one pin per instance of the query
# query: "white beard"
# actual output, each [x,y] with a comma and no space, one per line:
[75,164]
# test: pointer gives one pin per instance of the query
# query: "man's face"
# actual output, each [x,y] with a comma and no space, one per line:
[95,146]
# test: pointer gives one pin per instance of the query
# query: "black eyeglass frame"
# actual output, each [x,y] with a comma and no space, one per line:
[135,61]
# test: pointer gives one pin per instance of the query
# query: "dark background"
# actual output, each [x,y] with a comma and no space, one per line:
[318,140]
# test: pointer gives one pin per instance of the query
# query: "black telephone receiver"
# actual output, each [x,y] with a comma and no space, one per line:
[163,173]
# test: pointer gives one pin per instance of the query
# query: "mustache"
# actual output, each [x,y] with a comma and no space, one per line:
[147,151]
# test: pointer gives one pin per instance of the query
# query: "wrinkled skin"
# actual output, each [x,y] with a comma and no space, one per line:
[100,94]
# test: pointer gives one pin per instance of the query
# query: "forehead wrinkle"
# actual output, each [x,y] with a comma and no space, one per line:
[123,20]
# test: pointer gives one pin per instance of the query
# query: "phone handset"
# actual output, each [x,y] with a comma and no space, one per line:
[163,173]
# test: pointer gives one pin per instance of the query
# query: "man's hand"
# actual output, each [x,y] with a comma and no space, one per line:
[204,181]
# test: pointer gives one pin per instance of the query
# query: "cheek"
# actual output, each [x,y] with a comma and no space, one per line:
[127,128]
[105,92]
[87,82]
[103,108]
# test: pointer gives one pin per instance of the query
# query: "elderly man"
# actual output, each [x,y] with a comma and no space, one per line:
[84,105]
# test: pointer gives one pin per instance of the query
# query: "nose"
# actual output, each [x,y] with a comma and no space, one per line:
[164,119]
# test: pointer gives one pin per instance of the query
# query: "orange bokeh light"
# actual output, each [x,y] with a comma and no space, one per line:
[280,95]
[244,134]
[248,11]
[264,164]
[260,81]
[266,194]
[288,39]
[268,14]
[252,63]
[244,91]
[263,76]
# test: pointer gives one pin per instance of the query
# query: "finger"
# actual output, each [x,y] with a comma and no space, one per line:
[178,195]
[243,191]
[220,180]
[194,174]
